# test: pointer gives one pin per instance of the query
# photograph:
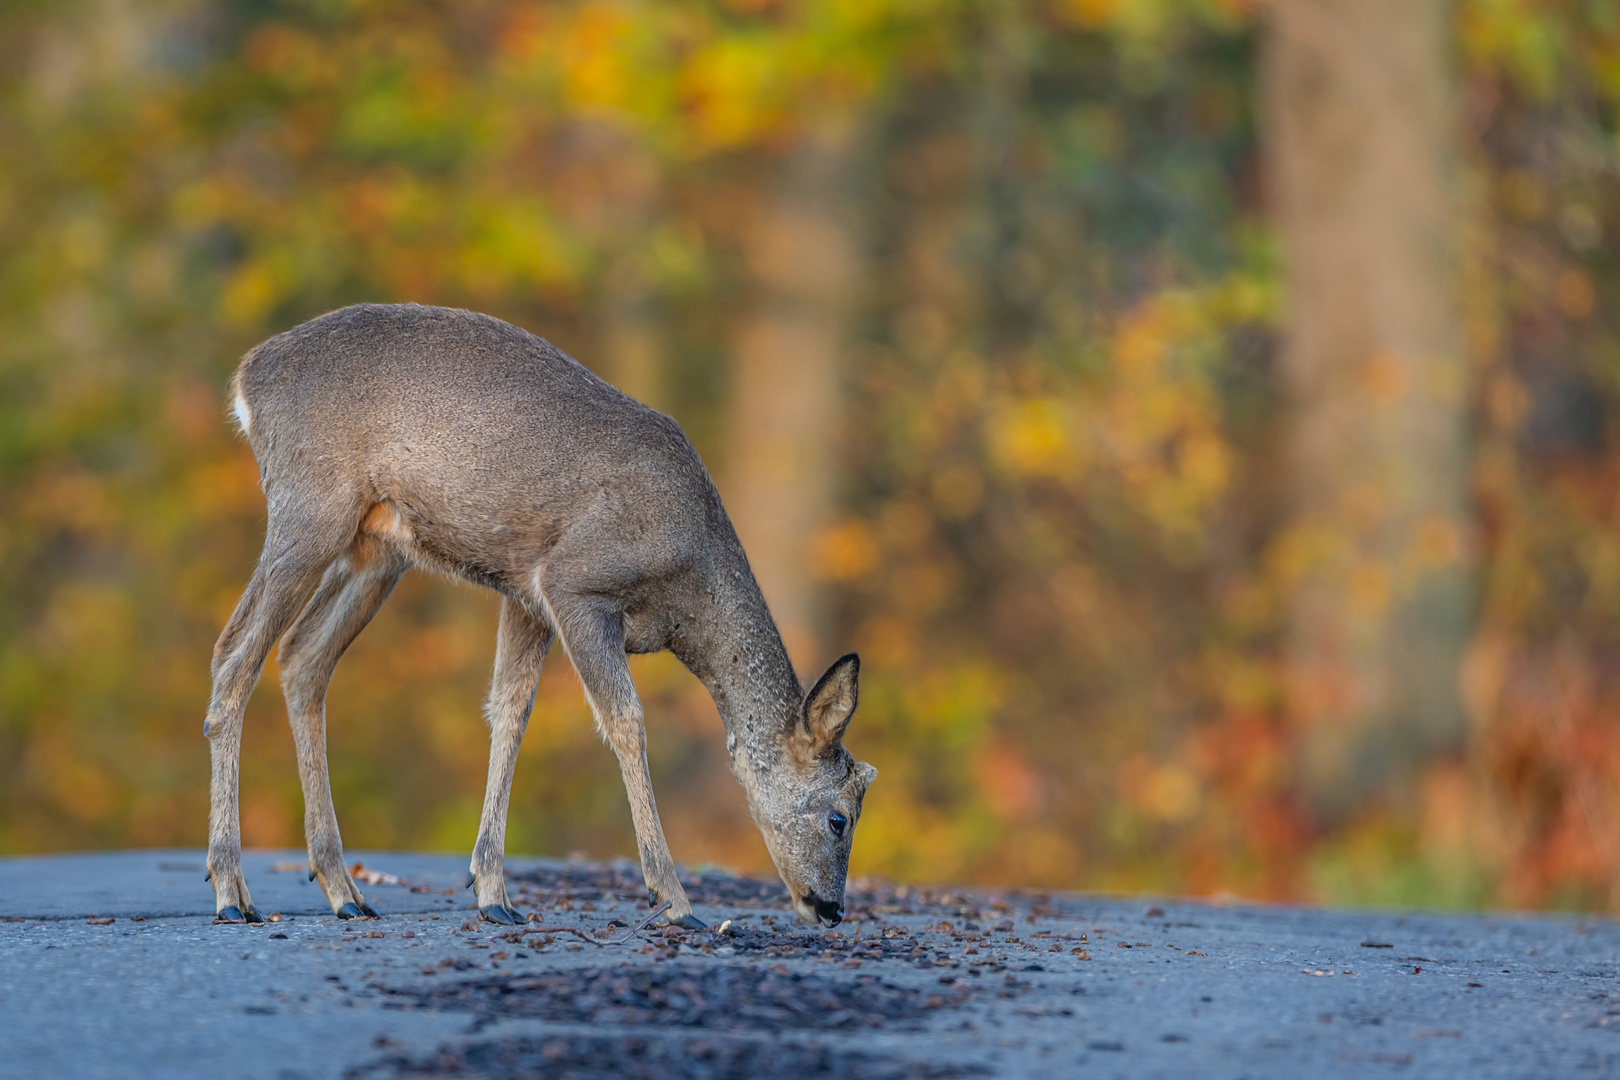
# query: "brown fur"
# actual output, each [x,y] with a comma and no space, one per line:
[396,436]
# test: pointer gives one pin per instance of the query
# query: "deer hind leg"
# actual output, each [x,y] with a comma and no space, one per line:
[352,591]
[520,653]
[594,639]
[292,561]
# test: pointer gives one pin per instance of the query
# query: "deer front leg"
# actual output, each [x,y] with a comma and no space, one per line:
[595,643]
[628,737]
[520,653]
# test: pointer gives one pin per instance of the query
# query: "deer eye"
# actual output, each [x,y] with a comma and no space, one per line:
[837,822]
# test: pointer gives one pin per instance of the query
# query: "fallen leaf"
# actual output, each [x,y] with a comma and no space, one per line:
[374,877]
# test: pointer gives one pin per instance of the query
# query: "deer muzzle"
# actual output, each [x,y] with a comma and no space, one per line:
[830,912]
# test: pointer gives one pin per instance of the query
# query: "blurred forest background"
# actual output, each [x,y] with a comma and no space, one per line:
[1200,414]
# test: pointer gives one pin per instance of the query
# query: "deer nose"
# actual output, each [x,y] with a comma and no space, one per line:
[829,911]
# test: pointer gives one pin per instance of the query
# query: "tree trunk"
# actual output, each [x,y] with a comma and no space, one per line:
[623,179]
[785,414]
[630,332]
[1360,161]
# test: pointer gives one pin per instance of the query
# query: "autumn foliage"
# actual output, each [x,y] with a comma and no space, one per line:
[1057,529]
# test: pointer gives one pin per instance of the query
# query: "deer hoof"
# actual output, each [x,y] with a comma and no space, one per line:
[251,914]
[499,913]
[471,877]
[353,911]
[229,913]
[370,914]
[652,897]
[690,922]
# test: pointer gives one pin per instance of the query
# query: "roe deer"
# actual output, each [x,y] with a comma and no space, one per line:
[389,436]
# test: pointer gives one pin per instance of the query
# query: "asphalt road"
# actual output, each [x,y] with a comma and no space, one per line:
[111,966]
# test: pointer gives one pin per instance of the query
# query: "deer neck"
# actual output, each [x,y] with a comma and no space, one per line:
[739,656]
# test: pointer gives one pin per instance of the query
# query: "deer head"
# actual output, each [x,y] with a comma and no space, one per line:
[808,808]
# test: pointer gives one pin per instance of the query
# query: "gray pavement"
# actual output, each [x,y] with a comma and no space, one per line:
[937,984]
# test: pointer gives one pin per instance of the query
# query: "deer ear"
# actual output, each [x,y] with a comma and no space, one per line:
[831,702]
[865,774]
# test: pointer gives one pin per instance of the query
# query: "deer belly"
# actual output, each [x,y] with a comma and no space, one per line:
[496,555]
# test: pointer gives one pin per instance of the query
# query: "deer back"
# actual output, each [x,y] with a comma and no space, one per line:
[498,455]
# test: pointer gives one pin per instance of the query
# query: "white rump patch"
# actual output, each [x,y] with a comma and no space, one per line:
[239,409]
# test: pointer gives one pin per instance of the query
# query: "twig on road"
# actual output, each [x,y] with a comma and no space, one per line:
[648,921]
